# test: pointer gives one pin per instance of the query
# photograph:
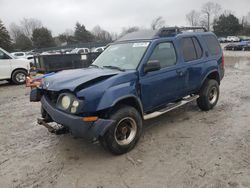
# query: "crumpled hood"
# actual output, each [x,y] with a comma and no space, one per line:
[70,79]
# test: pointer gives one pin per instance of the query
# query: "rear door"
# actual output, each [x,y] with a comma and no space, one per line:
[5,65]
[167,84]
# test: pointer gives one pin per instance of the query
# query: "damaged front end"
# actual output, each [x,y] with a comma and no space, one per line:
[61,105]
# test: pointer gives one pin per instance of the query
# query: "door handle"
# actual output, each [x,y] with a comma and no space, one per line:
[180,72]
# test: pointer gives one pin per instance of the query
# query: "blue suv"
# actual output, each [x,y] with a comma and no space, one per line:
[140,76]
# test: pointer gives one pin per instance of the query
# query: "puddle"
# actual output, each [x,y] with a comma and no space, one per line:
[240,63]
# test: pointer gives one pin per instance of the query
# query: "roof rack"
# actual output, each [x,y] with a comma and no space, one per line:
[170,31]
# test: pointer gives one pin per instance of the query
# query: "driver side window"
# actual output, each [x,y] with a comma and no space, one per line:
[3,55]
[165,54]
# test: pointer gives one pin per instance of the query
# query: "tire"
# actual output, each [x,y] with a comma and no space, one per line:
[125,132]
[209,95]
[19,76]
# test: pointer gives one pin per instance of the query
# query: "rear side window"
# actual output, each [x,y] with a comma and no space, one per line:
[191,49]
[165,54]
[212,44]
[197,48]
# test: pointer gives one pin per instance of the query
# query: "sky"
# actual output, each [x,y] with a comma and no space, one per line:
[111,15]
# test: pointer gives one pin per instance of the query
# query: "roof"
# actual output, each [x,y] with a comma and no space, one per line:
[163,32]
[139,35]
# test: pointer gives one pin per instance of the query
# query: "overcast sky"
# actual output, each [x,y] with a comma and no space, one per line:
[112,15]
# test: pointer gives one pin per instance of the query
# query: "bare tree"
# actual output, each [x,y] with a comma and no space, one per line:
[28,25]
[128,30]
[15,31]
[101,35]
[193,18]
[157,23]
[211,11]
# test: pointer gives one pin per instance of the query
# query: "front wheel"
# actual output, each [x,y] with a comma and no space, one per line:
[209,95]
[124,133]
[19,76]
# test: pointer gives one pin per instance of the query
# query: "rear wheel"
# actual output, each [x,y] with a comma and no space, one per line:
[209,95]
[124,133]
[19,76]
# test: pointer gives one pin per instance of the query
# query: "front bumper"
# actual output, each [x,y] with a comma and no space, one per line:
[79,128]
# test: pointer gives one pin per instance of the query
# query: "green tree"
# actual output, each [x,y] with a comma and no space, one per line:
[67,38]
[5,40]
[227,25]
[82,34]
[42,38]
[23,43]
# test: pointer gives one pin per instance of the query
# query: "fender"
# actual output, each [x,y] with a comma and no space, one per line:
[205,77]
[118,93]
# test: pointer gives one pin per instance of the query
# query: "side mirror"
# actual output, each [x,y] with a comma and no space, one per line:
[152,65]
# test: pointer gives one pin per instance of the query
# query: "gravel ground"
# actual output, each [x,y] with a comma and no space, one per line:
[183,148]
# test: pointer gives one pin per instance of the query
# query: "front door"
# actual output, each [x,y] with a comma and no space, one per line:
[5,66]
[167,84]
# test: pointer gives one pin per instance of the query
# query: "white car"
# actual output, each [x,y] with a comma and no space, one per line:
[13,69]
[80,51]
[99,49]
[233,39]
[23,55]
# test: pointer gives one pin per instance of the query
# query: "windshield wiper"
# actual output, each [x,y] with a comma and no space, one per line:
[114,67]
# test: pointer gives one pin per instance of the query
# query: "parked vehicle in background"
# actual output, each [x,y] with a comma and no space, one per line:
[233,39]
[246,47]
[222,39]
[141,76]
[243,45]
[23,55]
[80,51]
[12,69]
[233,47]
[99,49]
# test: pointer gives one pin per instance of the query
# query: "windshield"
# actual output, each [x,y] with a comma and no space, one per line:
[124,56]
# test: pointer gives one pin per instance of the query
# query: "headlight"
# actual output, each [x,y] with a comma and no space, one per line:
[65,102]
[68,102]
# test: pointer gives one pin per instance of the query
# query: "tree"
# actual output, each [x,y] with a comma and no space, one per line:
[227,25]
[193,18]
[42,38]
[15,31]
[101,35]
[211,11]
[81,34]
[69,39]
[128,30]
[5,40]
[157,23]
[28,25]
[23,43]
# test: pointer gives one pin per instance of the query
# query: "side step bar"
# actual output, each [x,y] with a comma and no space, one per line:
[170,107]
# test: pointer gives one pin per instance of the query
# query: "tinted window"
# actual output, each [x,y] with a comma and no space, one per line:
[3,55]
[198,48]
[165,54]
[188,49]
[19,54]
[212,44]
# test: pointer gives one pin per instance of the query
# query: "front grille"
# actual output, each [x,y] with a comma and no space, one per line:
[52,96]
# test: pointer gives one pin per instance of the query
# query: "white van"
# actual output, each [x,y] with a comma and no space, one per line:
[12,69]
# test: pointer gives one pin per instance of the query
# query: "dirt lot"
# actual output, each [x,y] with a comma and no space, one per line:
[184,148]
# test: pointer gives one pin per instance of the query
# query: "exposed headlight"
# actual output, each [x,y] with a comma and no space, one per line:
[66,102]
[75,103]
